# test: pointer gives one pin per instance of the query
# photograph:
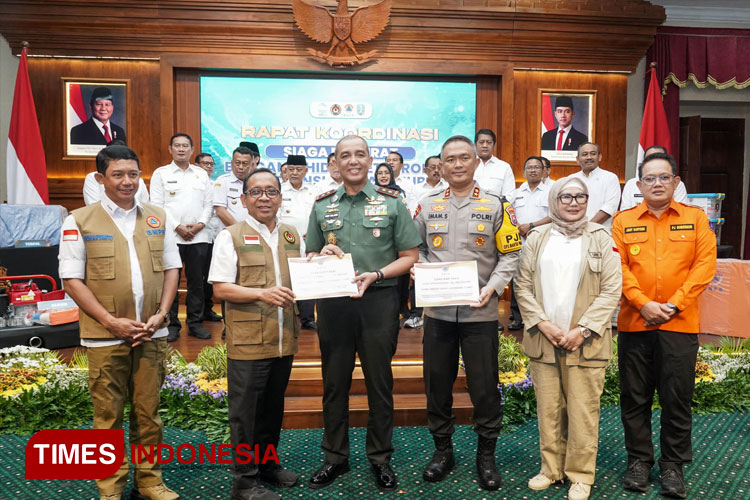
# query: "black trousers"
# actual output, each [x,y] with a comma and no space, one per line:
[367,327]
[306,310]
[208,288]
[479,344]
[256,409]
[515,311]
[414,311]
[402,284]
[665,362]
[193,261]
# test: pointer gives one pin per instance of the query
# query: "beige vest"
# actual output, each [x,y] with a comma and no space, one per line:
[253,327]
[108,264]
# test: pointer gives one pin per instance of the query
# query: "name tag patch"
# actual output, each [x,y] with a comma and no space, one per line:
[636,229]
[98,237]
[155,232]
[682,227]
[251,240]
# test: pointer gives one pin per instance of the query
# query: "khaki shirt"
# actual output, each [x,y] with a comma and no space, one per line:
[481,227]
[373,225]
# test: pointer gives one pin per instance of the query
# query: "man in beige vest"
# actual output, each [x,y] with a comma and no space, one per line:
[249,271]
[119,262]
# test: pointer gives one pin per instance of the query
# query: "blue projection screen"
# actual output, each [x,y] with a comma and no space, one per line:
[308,116]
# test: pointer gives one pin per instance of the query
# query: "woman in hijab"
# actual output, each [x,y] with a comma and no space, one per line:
[384,178]
[567,289]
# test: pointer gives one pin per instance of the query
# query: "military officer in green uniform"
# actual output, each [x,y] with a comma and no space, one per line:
[374,226]
[466,223]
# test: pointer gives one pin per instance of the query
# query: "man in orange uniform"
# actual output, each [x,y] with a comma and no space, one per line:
[668,255]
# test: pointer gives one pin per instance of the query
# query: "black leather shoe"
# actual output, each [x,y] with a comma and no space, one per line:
[257,492]
[199,331]
[489,477]
[442,460]
[500,327]
[211,316]
[278,475]
[515,325]
[673,483]
[174,333]
[327,473]
[310,325]
[385,478]
[636,477]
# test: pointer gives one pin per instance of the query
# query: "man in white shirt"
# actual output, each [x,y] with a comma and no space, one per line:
[531,204]
[492,174]
[632,196]
[546,179]
[297,199]
[227,194]
[254,152]
[332,181]
[396,161]
[603,185]
[433,177]
[123,315]
[206,162]
[184,191]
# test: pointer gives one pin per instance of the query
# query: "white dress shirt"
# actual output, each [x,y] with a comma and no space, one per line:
[424,189]
[548,182]
[496,176]
[296,205]
[530,206]
[72,258]
[326,185]
[227,192]
[186,196]
[632,196]
[604,193]
[224,260]
[559,270]
[93,191]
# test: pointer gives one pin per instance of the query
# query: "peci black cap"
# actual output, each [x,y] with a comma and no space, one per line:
[251,146]
[296,160]
[564,102]
[100,93]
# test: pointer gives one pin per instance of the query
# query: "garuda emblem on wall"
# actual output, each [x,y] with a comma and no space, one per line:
[341,29]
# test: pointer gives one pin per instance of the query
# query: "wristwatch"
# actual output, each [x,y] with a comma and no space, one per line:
[585,331]
[531,226]
[163,313]
[380,277]
[676,309]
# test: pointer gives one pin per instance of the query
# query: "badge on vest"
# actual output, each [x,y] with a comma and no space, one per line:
[251,239]
[153,222]
[289,236]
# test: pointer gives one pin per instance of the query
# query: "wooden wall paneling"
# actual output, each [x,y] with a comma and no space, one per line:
[187,111]
[611,110]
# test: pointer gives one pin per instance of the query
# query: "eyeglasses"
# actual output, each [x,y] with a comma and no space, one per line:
[430,169]
[567,199]
[257,192]
[650,180]
[206,163]
[534,167]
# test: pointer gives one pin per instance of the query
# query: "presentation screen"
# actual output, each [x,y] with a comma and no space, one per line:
[307,116]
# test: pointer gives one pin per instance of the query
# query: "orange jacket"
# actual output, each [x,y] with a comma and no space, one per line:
[670,259]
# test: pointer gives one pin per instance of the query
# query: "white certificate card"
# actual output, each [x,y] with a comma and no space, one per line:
[322,277]
[439,284]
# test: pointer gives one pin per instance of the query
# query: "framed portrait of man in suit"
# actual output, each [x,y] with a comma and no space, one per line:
[96,113]
[567,121]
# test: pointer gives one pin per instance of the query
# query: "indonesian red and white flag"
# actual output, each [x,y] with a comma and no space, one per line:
[548,120]
[26,166]
[654,128]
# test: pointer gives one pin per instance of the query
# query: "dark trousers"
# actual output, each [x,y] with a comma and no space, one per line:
[306,310]
[479,344]
[414,311]
[367,327]
[256,409]
[515,312]
[208,288]
[193,259]
[402,284]
[664,361]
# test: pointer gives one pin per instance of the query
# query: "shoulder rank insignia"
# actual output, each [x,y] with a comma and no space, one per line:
[475,193]
[390,192]
[325,195]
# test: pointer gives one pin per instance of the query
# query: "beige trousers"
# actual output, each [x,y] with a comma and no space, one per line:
[115,373]
[567,399]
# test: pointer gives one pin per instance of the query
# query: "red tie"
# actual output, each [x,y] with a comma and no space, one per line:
[559,140]
[108,138]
